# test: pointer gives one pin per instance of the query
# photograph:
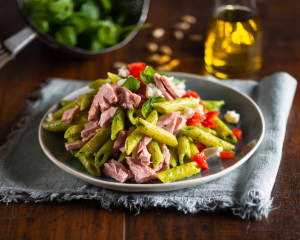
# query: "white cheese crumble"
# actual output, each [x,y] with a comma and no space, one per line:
[199,110]
[210,152]
[123,72]
[187,113]
[120,82]
[50,117]
[152,91]
[232,117]
[181,86]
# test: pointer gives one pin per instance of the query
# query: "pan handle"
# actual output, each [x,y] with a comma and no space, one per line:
[15,44]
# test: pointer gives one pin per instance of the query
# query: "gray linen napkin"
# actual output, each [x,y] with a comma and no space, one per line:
[27,174]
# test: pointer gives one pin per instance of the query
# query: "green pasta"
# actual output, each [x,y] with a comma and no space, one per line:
[97,84]
[64,102]
[179,172]
[209,130]
[122,157]
[104,153]
[223,131]
[173,157]
[157,133]
[157,156]
[59,126]
[136,136]
[87,100]
[133,115]
[73,131]
[114,77]
[194,151]
[88,163]
[213,105]
[184,151]
[203,137]
[95,143]
[175,105]
[117,123]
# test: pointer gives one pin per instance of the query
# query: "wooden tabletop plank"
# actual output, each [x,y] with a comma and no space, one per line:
[82,219]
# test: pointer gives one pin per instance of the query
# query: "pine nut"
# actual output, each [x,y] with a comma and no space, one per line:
[182,26]
[118,65]
[163,59]
[165,67]
[154,58]
[152,47]
[158,32]
[165,50]
[178,34]
[189,19]
[174,63]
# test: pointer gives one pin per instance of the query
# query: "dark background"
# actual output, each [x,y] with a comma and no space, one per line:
[83,219]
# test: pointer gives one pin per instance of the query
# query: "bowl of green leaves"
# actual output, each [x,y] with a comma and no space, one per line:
[82,27]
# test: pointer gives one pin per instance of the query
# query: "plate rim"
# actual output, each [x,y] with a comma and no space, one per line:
[154,187]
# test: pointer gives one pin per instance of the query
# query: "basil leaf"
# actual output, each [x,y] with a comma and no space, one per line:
[59,5]
[131,83]
[91,9]
[147,106]
[147,76]
[66,36]
[108,33]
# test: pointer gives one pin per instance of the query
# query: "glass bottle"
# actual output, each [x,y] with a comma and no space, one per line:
[233,46]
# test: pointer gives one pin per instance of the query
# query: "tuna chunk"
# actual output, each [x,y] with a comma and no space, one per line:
[166,153]
[89,137]
[141,172]
[89,128]
[117,88]
[117,171]
[118,143]
[145,157]
[122,148]
[167,87]
[70,114]
[127,99]
[107,116]
[171,88]
[162,88]
[180,121]
[167,118]
[74,145]
[171,126]
[142,145]
[105,97]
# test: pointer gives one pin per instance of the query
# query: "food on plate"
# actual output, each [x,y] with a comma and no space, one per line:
[87,24]
[141,125]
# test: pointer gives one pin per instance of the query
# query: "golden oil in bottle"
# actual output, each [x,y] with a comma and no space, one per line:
[233,47]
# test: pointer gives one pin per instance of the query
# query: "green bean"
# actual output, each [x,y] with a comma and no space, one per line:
[73,131]
[95,143]
[223,131]
[97,84]
[104,153]
[117,123]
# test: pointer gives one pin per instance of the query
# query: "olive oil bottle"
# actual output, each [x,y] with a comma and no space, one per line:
[233,46]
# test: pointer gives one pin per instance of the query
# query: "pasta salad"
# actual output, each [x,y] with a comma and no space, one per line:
[140,125]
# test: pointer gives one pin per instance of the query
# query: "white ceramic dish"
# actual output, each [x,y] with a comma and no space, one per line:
[252,124]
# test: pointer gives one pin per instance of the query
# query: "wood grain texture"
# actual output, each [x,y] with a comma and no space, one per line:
[86,219]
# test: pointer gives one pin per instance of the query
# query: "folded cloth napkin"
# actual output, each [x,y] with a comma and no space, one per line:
[27,174]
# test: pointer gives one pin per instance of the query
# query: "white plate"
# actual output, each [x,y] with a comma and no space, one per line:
[252,124]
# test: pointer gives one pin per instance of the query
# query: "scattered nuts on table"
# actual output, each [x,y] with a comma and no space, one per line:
[182,26]
[163,59]
[174,63]
[195,37]
[118,65]
[154,58]
[165,50]
[158,32]
[189,19]
[165,67]
[178,34]
[152,47]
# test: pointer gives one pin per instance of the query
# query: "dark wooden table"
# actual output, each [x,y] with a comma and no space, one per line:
[86,219]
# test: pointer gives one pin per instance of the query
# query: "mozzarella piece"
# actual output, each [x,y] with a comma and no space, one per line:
[120,82]
[181,86]
[210,152]
[152,91]
[199,110]
[187,113]
[232,117]
[123,72]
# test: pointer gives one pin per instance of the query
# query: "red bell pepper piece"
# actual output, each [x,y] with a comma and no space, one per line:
[227,154]
[237,133]
[192,94]
[208,122]
[135,70]
[200,146]
[204,108]
[200,159]
[195,120]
